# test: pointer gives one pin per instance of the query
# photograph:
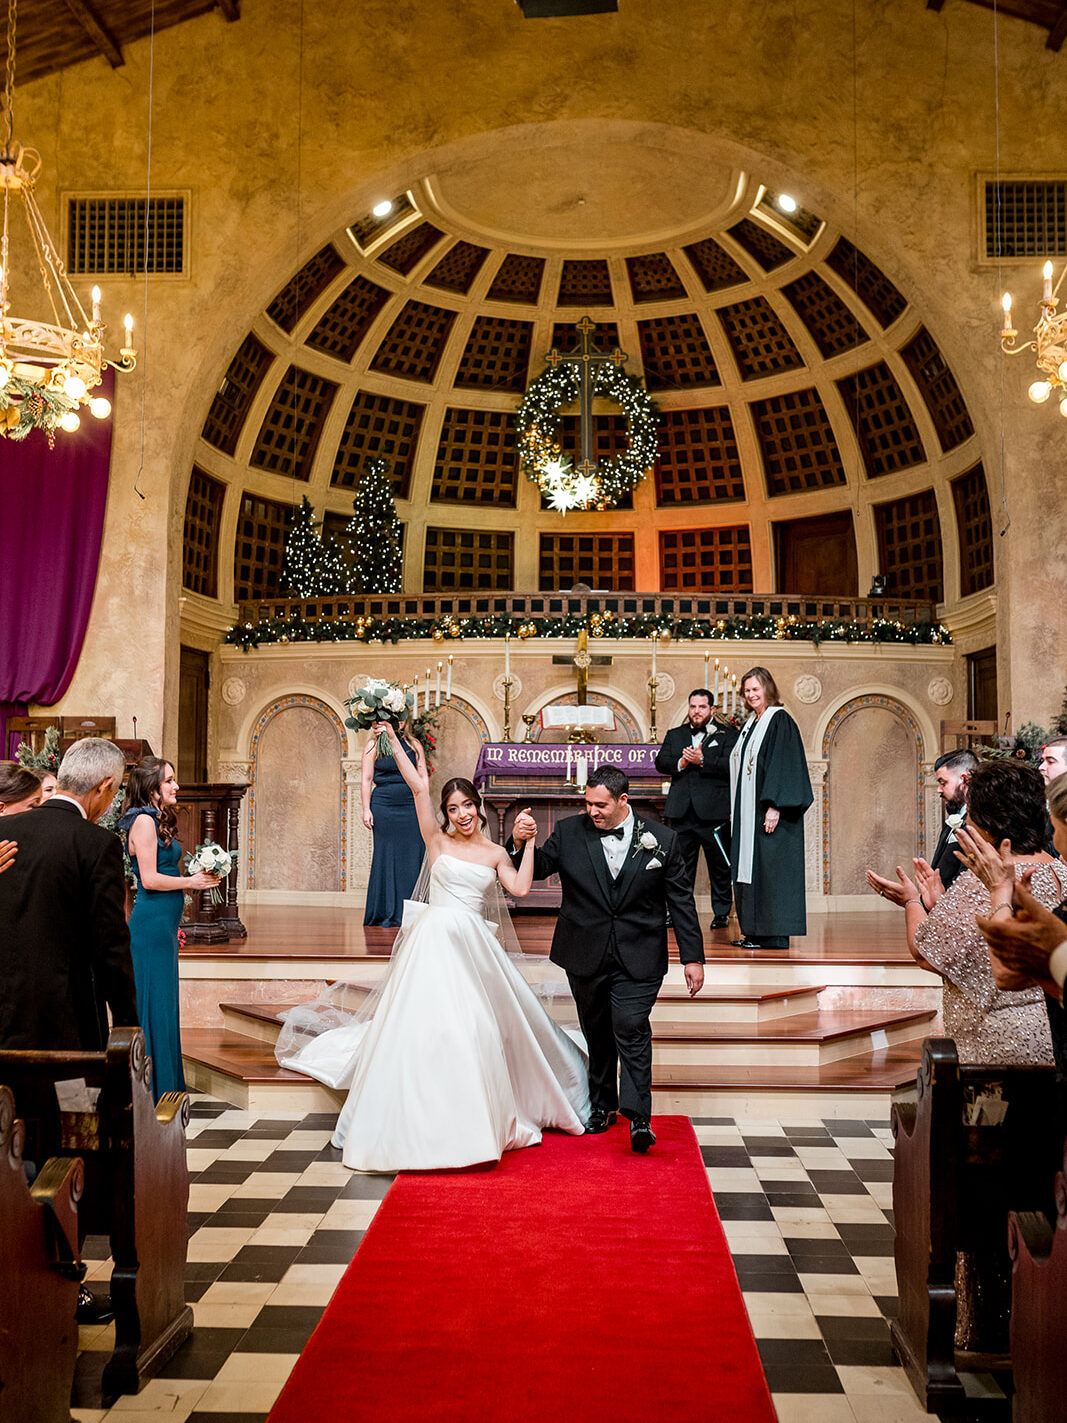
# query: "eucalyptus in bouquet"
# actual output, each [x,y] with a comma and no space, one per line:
[378,700]
[214,859]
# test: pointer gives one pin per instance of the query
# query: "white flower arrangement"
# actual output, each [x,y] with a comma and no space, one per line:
[379,700]
[212,859]
[643,840]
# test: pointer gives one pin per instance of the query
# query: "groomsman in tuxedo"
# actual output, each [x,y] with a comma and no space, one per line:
[620,878]
[696,756]
[64,944]
[952,771]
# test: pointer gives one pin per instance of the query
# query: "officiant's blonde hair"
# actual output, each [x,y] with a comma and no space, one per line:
[767,682]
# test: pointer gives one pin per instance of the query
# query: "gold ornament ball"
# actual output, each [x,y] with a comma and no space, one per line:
[438,635]
[453,631]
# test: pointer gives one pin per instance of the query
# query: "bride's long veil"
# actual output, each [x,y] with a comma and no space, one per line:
[347,1004]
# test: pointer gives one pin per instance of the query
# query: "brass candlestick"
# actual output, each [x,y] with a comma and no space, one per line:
[653,683]
[507,684]
[529,718]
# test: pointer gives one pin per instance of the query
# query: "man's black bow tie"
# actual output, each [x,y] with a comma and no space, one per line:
[618,833]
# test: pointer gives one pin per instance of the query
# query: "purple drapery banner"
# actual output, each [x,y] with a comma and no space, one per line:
[517,758]
[52,504]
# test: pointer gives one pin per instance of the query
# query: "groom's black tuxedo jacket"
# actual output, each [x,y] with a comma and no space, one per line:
[944,859]
[698,793]
[633,907]
[64,944]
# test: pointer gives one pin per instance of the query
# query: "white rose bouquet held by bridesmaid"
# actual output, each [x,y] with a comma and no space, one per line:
[379,701]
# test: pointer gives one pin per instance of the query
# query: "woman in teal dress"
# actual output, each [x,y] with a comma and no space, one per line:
[149,823]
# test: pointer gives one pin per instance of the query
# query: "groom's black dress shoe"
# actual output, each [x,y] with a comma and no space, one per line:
[641,1137]
[721,921]
[744,944]
[599,1121]
[93,1309]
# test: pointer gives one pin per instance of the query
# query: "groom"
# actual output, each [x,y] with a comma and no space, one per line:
[621,877]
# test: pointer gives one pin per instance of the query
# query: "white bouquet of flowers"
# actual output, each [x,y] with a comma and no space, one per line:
[378,700]
[212,859]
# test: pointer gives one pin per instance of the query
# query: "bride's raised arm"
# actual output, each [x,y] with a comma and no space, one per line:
[418,782]
[516,881]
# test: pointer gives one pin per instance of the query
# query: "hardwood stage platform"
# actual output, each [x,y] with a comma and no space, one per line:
[833,1024]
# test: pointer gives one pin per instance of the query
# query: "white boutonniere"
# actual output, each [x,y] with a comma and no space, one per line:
[954,821]
[644,840]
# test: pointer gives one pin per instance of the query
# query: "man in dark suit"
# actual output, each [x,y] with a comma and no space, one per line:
[620,878]
[696,756]
[952,771]
[64,945]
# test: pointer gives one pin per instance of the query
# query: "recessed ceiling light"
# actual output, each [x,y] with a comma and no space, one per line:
[786,203]
[382,209]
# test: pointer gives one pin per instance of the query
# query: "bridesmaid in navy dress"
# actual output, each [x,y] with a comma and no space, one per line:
[389,811]
[149,822]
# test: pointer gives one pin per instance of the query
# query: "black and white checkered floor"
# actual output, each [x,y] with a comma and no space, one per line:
[274,1219]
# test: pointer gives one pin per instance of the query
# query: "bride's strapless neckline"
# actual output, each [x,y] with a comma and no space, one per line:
[459,860]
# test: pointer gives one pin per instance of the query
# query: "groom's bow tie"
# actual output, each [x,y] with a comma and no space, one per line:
[617,833]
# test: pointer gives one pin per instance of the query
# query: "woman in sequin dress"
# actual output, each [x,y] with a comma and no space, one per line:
[989,1025]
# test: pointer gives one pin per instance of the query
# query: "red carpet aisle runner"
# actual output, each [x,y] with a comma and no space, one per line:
[574,1281]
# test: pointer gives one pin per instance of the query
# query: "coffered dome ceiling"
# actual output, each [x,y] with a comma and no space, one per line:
[811,432]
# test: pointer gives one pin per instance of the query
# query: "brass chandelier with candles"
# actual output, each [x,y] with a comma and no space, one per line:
[49,369]
[1049,343]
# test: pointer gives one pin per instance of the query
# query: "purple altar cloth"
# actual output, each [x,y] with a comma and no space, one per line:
[512,758]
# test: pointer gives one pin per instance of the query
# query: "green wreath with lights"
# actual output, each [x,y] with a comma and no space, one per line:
[541,455]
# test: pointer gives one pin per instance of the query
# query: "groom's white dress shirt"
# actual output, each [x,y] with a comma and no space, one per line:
[616,850]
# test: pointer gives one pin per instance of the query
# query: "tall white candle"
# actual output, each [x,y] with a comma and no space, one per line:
[426,698]
[581,772]
[725,685]
[653,654]
[448,690]
[707,659]
[733,705]
[507,654]
[570,753]
[415,689]
[715,694]
[437,699]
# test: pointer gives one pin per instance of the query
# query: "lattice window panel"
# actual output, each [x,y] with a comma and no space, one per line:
[408,251]
[760,343]
[714,265]
[718,560]
[497,355]
[886,433]
[869,282]
[309,283]
[804,223]
[476,459]
[415,342]
[457,559]
[797,443]
[698,460]
[1026,219]
[675,353]
[585,283]
[458,268]
[365,229]
[342,328]
[909,546]
[519,279]
[200,548]
[289,435]
[110,236]
[378,427]
[566,339]
[832,325]
[259,549]
[233,399]
[769,251]
[601,560]
[610,436]
[974,525]
[653,278]
[937,386]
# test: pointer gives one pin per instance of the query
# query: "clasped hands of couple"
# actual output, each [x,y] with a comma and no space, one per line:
[525,828]
[1020,943]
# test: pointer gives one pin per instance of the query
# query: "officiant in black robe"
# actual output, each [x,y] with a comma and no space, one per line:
[771,790]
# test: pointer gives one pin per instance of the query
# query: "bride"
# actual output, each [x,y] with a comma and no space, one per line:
[453,1061]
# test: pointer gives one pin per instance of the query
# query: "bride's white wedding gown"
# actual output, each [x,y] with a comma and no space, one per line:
[460,1062]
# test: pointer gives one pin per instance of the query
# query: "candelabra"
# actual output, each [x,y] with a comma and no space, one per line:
[1049,344]
[653,683]
[507,685]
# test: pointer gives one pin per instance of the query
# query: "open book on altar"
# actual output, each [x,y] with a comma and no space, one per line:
[555,718]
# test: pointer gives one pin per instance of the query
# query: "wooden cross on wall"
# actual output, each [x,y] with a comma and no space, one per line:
[586,357]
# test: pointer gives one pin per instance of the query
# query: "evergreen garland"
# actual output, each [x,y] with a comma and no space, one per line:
[39,407]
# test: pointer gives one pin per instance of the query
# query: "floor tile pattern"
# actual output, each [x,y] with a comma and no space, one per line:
[274,1219]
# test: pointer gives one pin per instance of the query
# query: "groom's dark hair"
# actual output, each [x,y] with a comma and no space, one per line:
[614,781]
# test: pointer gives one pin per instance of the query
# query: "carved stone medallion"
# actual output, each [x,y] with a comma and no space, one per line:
[807,689]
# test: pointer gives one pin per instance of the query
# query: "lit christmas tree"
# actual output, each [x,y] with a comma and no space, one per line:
[315,565]
[374,532]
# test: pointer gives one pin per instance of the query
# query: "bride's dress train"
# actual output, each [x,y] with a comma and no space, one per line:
[460,1062]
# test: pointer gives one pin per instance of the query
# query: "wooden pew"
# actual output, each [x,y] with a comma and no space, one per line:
[1038,1248]
[972,1141]
[136,1187]
[40,1267]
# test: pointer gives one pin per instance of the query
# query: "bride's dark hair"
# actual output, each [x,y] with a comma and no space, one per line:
[467,788]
